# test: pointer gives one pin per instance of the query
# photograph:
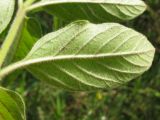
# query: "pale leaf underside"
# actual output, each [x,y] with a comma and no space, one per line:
[6,12]
[93,10]
[85,56]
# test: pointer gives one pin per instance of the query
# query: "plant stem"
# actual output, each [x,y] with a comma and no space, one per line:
[9,46]
[6,70]
[20,3]
[29,2]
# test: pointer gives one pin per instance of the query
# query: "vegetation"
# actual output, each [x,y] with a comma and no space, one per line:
[136,100]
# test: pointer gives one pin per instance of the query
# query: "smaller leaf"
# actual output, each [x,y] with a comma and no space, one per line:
[11,105]
[31,32]
[96,11]
[7,9]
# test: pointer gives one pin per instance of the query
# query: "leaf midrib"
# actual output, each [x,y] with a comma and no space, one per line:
[26,62]
[85,56]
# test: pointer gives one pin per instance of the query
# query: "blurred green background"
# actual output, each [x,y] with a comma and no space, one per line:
[137,100]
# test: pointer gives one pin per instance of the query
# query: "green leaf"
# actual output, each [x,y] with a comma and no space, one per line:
[92,10]
[7,9]
[85,56]
[11,105]
[31,32]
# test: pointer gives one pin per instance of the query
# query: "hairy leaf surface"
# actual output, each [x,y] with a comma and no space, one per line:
[6,12]
[85,56]
[93,10]
[11,105]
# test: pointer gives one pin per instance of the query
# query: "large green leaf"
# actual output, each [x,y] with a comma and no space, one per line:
[6,12]
[85,56]
[93,10]
[11,105]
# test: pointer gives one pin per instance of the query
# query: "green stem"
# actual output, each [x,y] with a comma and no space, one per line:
[7,70]
[20,3]
[29,2]
[9,46]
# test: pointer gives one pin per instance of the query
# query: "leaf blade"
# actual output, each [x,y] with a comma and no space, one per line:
[85,56]
[94,11]
[31,32]
[7,9]
[12,105]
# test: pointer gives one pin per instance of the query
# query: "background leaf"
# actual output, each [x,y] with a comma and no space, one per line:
[85,56]
[94,11]
[31,32]
[7,9]
[11,105]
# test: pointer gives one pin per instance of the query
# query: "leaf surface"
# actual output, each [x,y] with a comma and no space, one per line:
[85,56]
[6,12]
[92,10]
[11,105]
[31,32]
